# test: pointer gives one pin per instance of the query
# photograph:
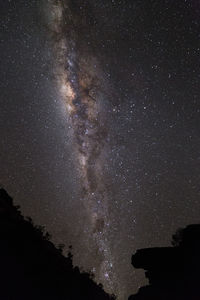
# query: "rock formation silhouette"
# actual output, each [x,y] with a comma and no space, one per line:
[173,272]
[32,268]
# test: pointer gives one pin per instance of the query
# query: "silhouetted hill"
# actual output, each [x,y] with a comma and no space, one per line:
[173,272]
[31,267]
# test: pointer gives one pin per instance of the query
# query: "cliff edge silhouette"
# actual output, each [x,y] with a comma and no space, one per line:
[31,267]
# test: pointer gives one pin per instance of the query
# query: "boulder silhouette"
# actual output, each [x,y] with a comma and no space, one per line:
[173,272]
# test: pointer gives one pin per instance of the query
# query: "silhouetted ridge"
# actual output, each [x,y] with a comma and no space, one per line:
[173,272]
[31,267]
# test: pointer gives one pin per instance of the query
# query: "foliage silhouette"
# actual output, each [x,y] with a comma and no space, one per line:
[31,267]
[173,272]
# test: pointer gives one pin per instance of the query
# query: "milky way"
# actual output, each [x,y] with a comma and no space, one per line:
[100,125]
[79,80]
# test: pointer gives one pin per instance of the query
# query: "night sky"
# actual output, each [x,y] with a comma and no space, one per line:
[100,108]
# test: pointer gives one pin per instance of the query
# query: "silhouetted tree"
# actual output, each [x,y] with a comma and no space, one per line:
[173,272]
[31,267]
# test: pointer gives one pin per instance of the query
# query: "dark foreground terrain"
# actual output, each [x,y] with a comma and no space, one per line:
[173,272]
[31,267]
